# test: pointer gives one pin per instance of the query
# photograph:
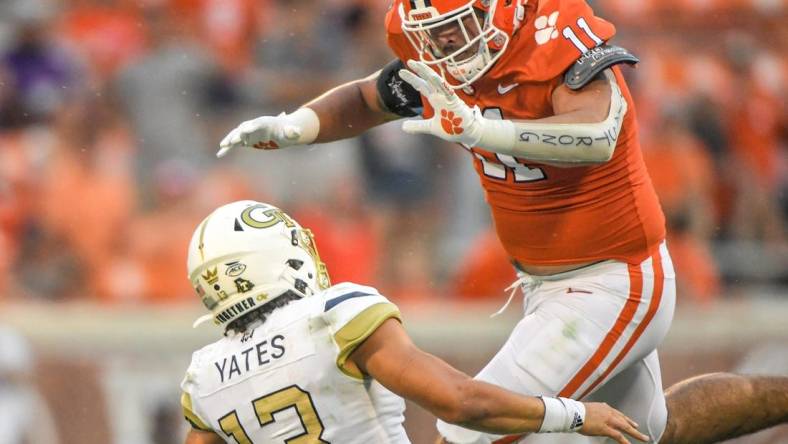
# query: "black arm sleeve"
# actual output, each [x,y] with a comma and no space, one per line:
[395,94]
[593,62]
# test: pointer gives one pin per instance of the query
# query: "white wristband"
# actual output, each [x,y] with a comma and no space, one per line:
[562,415]
[306,119]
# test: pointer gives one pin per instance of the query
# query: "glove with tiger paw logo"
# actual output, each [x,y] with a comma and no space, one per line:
[453,120]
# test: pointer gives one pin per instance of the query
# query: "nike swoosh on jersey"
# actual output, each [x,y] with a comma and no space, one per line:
[505,89]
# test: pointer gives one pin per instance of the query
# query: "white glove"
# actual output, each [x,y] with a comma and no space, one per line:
[453,120]
[273,132]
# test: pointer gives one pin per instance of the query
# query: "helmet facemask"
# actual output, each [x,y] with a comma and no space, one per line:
[465,62]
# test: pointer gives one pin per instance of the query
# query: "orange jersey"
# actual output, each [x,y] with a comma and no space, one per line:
[547,215]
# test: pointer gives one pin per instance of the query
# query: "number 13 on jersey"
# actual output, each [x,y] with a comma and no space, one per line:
[266,406]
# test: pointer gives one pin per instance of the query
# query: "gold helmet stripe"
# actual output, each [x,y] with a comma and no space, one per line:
[201,245]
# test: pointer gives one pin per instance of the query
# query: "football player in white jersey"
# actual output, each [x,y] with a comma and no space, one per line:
[303,362]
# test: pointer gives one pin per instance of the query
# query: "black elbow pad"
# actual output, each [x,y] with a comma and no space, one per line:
[593,62]
[395,94]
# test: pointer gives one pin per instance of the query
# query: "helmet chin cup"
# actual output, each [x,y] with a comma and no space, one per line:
[470,68]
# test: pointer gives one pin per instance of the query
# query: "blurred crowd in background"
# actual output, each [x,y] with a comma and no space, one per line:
[111,112]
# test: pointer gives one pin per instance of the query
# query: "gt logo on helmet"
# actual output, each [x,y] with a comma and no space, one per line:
[246,254]
[250,216]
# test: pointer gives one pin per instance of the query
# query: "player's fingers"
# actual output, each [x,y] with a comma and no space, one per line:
[631,421]
[617,436]
[436,82]
[234,138]
[416,126]
[226,141]
[425,72]
[246,129]
[626,425]
[248,126]
[415,81]
[224,150]
[635,433]
[418,67]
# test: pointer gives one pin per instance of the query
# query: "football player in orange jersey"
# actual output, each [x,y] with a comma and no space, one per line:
[534,91]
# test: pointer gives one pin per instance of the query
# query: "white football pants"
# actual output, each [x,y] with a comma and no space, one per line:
[589,334]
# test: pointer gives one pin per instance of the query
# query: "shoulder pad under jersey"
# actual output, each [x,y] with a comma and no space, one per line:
[593,62]
[353,312]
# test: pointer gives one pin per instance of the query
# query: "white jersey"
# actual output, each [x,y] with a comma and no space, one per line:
[286,380]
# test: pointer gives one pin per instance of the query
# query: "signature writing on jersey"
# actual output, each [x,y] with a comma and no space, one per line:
[254,357]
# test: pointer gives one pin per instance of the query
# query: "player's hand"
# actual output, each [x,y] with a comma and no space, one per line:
[603,420]
[454,120]
[265,133]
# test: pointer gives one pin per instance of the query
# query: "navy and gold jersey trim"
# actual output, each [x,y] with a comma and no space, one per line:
[333,302]
[191,417]
[358,330]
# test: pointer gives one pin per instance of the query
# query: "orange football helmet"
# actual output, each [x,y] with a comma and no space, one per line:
[480,30]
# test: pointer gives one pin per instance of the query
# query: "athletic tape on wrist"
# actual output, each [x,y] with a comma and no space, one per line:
[562,415]
[306,119]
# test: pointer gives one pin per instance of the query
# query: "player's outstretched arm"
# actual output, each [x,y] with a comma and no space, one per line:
[389,356]
[200,437]
[342,112]
[583,130]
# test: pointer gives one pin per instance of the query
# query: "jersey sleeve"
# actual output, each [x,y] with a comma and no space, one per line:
[188,392]
[353,313]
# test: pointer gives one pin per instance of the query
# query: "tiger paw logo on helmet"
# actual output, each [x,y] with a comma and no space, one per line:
[545,28]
